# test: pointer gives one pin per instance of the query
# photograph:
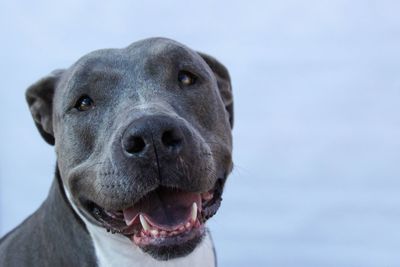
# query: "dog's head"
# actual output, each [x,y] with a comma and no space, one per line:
[143,140]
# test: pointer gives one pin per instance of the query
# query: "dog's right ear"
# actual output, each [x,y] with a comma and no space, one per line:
[40,100]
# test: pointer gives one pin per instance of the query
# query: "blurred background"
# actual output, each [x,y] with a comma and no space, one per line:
[317,126]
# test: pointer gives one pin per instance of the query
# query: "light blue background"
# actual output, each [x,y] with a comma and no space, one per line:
[317,130]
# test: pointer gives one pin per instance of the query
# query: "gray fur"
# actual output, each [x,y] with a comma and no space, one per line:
[131,87]
[52,236]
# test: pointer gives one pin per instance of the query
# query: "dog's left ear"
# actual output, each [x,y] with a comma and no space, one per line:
[40,100]
[224,83]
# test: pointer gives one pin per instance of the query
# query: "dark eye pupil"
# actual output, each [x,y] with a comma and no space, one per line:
[186,78]
[84,103]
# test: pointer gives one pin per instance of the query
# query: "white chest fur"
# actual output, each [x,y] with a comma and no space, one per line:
[116,250]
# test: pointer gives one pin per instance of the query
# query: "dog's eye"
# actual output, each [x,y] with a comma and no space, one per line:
[186,78]
[84,103]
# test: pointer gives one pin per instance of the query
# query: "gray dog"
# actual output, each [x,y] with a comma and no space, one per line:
[143,143]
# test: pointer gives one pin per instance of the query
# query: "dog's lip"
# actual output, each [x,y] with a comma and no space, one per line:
[132,222]
[113,221]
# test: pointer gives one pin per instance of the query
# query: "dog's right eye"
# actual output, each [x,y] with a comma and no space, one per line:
[84,103]
[186,78]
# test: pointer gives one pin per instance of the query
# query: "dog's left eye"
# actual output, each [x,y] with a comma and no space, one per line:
[186,78]
[84,103]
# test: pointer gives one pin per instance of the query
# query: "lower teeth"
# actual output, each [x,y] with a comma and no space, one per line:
[163,233]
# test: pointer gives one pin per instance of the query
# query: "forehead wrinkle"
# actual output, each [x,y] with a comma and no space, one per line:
[90,77]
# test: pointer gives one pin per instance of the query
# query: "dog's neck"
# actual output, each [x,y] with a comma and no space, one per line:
[117,250]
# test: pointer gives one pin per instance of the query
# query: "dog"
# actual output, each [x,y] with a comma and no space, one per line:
[143,142]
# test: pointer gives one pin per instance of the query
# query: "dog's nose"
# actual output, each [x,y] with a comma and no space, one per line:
[161,131]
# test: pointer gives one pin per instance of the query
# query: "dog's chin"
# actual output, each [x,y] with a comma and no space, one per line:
[166,223]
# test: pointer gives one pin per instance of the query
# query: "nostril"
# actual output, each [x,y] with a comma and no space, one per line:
[134,145]
[171,139]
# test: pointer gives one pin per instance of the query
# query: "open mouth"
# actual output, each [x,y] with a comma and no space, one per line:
[164,217]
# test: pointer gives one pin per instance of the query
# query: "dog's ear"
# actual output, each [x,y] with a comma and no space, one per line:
[224,83]
[40,100]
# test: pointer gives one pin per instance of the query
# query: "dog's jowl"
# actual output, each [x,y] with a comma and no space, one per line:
[143,143]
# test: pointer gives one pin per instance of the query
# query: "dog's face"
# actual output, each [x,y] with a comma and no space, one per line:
[143,140]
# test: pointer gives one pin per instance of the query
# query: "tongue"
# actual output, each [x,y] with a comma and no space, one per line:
[165,208]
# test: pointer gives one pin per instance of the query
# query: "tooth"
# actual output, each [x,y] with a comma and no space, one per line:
[207,196]
[193,215]
[136,239]
[144,223]
[154,232]
[163,233]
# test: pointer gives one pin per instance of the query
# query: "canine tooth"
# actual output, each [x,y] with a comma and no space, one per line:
[188,225]
[144,223]
[193,215]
